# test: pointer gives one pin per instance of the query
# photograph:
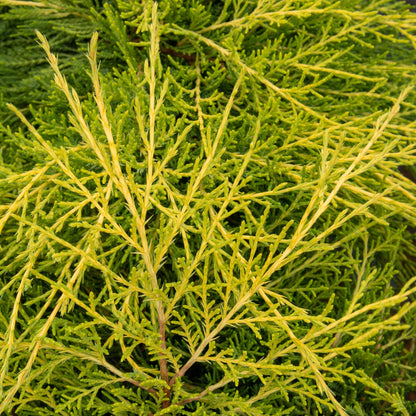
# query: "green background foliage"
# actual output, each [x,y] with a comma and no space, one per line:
[207,207]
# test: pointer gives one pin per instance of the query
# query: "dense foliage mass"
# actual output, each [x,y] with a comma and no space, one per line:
[207,207]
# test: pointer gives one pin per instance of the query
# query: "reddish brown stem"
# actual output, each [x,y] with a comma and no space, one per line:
[163,365]
[190,58]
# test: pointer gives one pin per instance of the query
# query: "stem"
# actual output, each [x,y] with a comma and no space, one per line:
[163,364]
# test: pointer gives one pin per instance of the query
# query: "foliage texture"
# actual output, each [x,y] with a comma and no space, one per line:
[207,207]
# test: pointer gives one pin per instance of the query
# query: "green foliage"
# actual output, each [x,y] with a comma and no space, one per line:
[217,220]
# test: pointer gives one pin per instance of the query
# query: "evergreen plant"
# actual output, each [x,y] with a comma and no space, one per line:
[207,207]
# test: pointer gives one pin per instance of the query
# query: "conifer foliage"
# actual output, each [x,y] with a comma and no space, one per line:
[207,207]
